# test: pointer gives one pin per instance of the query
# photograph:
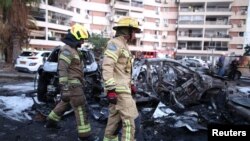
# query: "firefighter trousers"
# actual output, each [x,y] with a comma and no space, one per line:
[78,102]
[124,112]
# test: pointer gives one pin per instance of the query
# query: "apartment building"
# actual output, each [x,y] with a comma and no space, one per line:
[54,18]
[247,35]
[208,28]
[157,20]
[189,27]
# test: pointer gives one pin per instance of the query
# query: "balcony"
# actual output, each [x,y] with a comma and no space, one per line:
[193,47]
[61,5]
[59,21]
[39,14]
[191,22]
[190,34]
[137,4]
[186,9]
[216,22]
[218,9]
[221,48]
[189,48]
[217,35]
[58,18]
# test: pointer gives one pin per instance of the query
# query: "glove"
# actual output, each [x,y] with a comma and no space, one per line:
[112,96]
[133,89]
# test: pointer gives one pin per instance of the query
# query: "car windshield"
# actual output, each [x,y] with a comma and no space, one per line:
[28,53]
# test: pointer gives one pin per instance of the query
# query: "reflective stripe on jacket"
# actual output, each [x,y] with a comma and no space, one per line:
[117,65]
[69,66]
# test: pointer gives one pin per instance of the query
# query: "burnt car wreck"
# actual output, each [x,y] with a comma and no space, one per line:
[169,96]
[185,100]
[172,83]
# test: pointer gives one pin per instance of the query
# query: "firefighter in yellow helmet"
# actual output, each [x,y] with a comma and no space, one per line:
[117,66]
[70,70]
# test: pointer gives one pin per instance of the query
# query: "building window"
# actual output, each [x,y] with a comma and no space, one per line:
[164,45]
[165,9]
[243,22]
[78,10]
[239,47]
[241,34]
[158,1]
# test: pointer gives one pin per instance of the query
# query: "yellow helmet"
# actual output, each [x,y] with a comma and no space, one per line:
[79,32]
[127,22]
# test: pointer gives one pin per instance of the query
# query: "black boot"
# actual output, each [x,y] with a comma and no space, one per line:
[89,138]
[51,124]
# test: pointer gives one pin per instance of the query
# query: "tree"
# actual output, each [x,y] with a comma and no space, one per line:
[247,50]
[14,26]
[99,44]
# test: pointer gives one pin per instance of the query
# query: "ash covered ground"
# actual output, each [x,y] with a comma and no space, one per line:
[179,125]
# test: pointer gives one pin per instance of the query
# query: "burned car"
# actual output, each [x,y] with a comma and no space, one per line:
[47,80]
[172,83]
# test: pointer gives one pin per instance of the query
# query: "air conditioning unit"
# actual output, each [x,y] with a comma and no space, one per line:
[165,24]
[156,36]
[164,37]
[239,25]
[87,17]
[157,12]
[157,24]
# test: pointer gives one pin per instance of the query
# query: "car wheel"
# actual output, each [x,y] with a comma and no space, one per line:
[42,88]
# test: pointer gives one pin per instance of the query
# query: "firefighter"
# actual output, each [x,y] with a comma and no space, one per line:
[117,66]
[70,70]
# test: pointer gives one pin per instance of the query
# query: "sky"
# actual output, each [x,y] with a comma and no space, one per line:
[247,37]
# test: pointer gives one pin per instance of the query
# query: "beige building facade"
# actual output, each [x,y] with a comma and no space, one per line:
[191,28]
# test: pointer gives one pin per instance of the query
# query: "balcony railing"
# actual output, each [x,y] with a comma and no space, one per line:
[192,10]
[216,22]
[217,48]
[218,10]
[135,4]
[61,5]
[217,36]
[193,47]
[191,22]
[190,47]
[221,48]
[38,15]
[190,35]
[58,21]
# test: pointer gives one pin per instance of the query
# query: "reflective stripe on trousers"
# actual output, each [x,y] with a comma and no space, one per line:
[110,139]
[82,128]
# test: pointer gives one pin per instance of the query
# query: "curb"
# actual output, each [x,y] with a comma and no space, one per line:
[18,76]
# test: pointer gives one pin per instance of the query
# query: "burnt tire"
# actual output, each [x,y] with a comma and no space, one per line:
[42,88]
